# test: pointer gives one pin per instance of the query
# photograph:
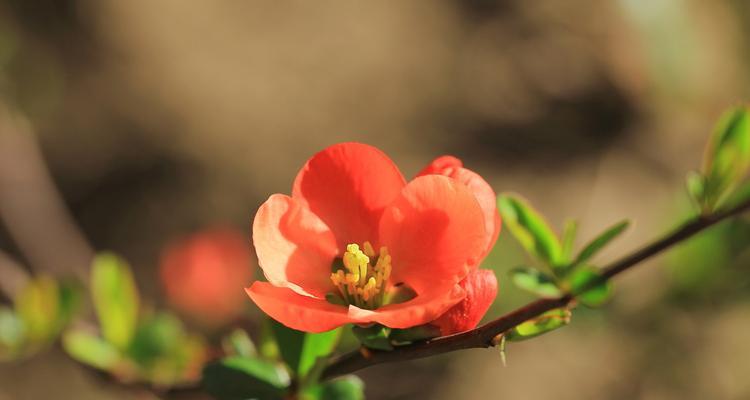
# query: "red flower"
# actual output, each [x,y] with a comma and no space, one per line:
[202,273]
[356,244]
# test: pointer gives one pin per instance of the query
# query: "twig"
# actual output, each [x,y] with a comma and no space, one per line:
[483,336]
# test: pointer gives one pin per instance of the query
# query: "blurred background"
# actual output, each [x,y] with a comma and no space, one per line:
[157,119]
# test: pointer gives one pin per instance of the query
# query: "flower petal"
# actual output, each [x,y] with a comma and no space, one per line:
[435,232]
[418,311]
[295,248]
[452,167]
[348,185]
[481,289]
[296,311]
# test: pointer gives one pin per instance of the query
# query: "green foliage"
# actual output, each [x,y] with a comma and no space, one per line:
[239,378]
[41,310]
[91,350]
[530,229]
[600,241]
[303,352]
[155,348]
[587,285]
[535,281]
[347,387]
[540,325]
[726,162]
[567,273]
[11,333]
[115,298]
[37,307]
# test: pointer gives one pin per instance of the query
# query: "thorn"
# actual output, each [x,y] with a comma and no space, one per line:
[366,353]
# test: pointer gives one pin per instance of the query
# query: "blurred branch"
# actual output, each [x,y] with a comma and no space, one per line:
[31,206]
[14,276]
[485,335]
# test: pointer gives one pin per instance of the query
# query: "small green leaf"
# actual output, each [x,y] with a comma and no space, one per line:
[317,345]
[290,343]
[300,350]
[530,229]
[239,378]
[696,187]
[585,283]
[11,333]
[115,298]
[728,155]
[374,337]
[534,281]
[70,301]
[739,195]
[156,337]
[91,350]
[239,343]
[348,387]
[568,239]
[545,323]
[37,306]
[600,241]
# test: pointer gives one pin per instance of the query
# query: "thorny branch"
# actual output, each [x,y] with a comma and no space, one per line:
[483,336]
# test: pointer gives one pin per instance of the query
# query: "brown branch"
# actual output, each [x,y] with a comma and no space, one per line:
[32,208]
[13,277]
[483,336]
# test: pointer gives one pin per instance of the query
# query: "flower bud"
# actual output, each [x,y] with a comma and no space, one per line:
[481,288]
[204,274]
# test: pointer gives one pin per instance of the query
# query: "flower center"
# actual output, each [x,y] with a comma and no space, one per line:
[362,281]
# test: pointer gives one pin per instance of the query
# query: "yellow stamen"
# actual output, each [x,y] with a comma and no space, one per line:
[361,283]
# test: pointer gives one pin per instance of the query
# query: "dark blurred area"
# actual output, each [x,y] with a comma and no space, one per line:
[156,119]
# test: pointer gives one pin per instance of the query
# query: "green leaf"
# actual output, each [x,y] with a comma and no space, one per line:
[11,333]
[290,343]
[739,195]
[91,350]
[534,281]
[568,239]
[239,343]
[317,345]
[586,286]
[70,301]
[600,241]
[696,187]
[530,229]
[300,350]
[156,337]
[348,387]
[545,323]
[374,337]
[37,305]
[239,378]
[115,298]
[728,154]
